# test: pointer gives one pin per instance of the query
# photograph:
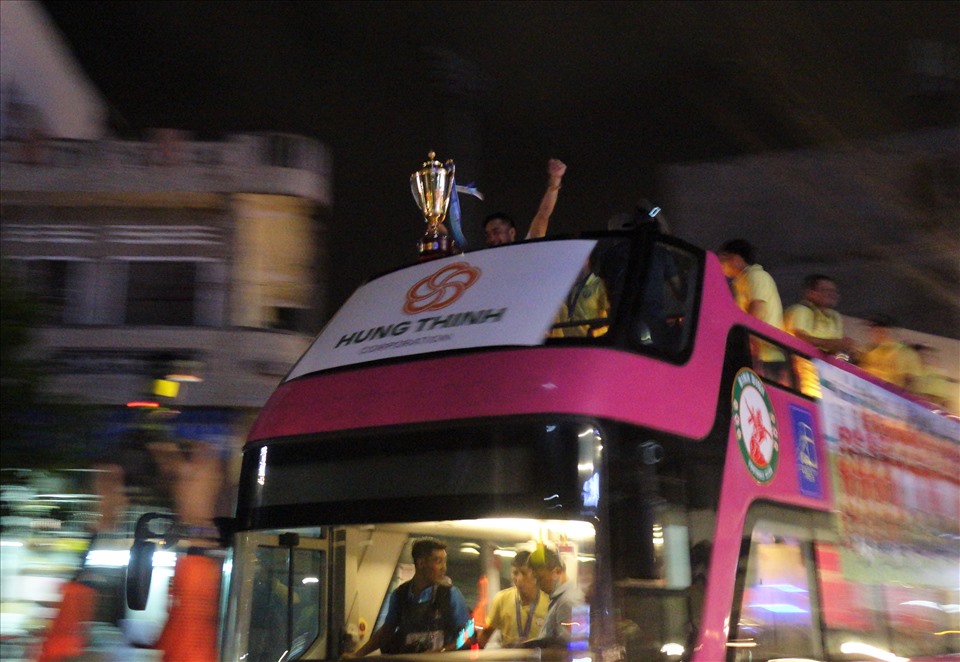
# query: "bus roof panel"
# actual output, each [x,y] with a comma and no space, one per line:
[507,296]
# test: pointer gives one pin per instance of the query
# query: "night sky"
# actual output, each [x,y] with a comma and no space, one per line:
[614,89]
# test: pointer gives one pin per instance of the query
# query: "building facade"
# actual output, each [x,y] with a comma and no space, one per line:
[195,262]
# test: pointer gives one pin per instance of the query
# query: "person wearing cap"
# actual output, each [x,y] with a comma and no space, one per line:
[815,319]
[518,612]
[888,358]
[499,228]
[566,617]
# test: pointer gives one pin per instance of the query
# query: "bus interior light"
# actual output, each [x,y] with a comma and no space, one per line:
[742,643]
[672,649]
[860,648]
[787,588]
[780,608]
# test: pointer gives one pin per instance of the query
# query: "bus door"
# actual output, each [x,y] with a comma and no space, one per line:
[283,593]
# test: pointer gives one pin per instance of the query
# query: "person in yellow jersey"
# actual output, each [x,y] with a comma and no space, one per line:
[587,300]
[934,385]
[815,319]
[519,612]
[888,358]
[753,288]
[756,293]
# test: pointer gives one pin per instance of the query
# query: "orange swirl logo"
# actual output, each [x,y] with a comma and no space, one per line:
[441,288]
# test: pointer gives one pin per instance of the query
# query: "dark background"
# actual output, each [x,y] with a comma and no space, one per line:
[614,89]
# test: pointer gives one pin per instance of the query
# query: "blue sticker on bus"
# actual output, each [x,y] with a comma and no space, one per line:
[808,463]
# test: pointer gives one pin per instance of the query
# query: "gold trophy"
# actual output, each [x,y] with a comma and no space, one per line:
[431,186]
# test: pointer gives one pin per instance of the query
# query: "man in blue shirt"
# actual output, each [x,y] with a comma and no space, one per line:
[424,614]
[568,615]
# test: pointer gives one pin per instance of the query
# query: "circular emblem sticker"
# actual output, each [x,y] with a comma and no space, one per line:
[756,425]
[441,288]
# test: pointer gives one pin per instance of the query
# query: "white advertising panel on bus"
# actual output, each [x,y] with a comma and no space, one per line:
[895,465]
[508,296]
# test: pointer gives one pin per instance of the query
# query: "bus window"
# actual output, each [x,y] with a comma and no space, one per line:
[663,494]
[664,317]
[284,594]
[659,305]
[585,311]
[906,615]
[806,376]
[487,490]
[770,361]
[376,559]
[804,591]
[775,608]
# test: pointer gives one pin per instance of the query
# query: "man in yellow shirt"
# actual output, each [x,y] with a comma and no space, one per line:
[519,612]
[934,385]
[814,318]
[888,358]
[756,293]
[753,288]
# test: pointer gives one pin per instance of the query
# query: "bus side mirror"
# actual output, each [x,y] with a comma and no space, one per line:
[139,572]
[140,565]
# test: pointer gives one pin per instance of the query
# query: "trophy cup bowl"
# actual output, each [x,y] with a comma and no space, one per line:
[431,186]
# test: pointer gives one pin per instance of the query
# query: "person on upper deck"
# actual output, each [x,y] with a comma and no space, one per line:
[753,288]
[815,320]
[888,358]
[934,385]
[663,273]
[587,301]
[499,228]
[424,614]
[518,612]
[756,293]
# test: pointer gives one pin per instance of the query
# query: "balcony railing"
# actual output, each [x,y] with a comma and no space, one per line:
[248,163]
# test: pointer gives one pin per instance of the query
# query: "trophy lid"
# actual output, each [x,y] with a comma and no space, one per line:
[432,163]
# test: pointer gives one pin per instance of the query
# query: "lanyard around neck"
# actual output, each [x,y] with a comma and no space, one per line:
[525,631]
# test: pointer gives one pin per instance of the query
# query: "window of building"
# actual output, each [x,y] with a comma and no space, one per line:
[54,283]
[161,293]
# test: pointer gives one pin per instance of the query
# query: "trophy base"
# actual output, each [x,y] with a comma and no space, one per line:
[436,246]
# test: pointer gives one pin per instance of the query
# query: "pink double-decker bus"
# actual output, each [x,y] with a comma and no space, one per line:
[715,488]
